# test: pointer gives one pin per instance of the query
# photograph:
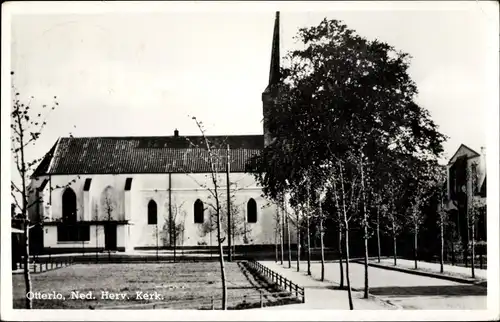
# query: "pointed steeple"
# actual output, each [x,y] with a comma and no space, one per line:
[270,93]
[274,71]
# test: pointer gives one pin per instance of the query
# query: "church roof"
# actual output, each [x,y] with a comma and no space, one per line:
[159,154]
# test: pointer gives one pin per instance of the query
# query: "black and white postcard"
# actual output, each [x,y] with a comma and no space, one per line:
[250,161]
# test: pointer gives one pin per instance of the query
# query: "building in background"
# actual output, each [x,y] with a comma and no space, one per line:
[466,197]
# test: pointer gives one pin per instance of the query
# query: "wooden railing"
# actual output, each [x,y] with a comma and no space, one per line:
[277,279]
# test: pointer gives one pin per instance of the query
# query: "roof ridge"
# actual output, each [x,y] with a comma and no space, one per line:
[159,136]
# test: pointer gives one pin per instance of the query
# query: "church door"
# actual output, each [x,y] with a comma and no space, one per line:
[110,236]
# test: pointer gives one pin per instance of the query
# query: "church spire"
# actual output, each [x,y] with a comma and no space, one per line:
[274,72]
[270,93]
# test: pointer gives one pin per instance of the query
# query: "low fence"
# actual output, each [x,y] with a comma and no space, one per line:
[277,279]
[39,265]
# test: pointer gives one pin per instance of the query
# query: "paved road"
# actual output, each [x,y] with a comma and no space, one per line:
[407,290]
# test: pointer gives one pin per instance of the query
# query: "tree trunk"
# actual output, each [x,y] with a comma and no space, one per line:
[282,236]
[466,248]
[366,289]
[415,244]
[308,246]
[288,241]
[321,233]
[276,240]
[394,244]
[441,227]
[298,241]
[210,234]
[229,226]
[157,241]
[221,261]
[378,235]
[96,242]
[349,292]
[346,225]
[473,253]
[340,256]
[308,231]
[175,241]
[365,228]
[339,221]
[27,275]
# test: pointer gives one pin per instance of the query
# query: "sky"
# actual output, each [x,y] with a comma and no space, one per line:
[140,73]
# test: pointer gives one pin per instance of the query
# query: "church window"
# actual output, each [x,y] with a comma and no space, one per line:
[152,213]
[128,184]
[251,211]
[69,206]
[198,212]
[86,186]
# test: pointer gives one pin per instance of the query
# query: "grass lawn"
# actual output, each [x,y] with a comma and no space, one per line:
[190,285]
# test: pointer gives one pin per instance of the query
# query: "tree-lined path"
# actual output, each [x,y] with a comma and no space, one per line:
[405,291]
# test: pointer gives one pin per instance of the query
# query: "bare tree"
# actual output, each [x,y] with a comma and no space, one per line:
[109,206]
[442,220]
[473,211]
[95,211]
[377,202]
[346,218]
[287,223]
[322,234]
[239,228]
[340,225]
[174,225]
[215,161]
[308,226]
[27,125]
[277,233]
[389,212]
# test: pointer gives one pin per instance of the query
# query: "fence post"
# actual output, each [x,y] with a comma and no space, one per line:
[296,290]
[46,266]
[212,302]
[51,264]
[261,300]
[34,267]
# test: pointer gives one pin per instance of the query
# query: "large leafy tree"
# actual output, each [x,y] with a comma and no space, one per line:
[344,98]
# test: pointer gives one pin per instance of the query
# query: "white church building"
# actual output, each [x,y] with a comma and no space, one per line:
[129,193]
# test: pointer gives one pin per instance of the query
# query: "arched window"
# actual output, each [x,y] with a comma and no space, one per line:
[69,206]
[251,211]
[198,212]
[152,213]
